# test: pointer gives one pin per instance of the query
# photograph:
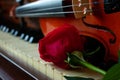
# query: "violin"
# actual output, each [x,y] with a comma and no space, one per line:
[96,19]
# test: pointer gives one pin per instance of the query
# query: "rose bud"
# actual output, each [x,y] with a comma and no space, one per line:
[56,44]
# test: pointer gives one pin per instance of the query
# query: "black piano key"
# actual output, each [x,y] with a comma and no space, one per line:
[31,39]
[31,35]
[16,33]
[12,31]
[7,30]
[22,36]
[4,28]
[1,27]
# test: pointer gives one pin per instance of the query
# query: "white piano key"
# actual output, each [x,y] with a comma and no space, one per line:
[50,71]
[57,75]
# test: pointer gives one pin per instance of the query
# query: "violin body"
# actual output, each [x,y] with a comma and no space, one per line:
[102,26]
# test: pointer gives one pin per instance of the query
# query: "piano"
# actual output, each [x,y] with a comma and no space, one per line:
[27,60]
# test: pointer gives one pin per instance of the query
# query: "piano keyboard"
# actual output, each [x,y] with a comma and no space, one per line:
[26,55]
[26,34]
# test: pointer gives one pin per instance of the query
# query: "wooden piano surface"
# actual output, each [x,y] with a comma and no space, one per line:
[9,71]
[26,55]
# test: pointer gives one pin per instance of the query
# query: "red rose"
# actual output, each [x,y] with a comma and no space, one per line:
[54,46]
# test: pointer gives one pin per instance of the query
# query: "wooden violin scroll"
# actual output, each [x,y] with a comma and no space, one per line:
[81,8]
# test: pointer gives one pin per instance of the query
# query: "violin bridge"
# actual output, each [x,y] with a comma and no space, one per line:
[81,8]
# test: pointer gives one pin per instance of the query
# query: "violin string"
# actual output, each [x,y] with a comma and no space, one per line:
[51,13]
[40,10]
[46,14]
[29,10]
[95,2]
[38,13]
[48,8]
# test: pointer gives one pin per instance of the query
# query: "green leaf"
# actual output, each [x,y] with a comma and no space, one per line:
[119,56]
[113,73]
[77,78]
